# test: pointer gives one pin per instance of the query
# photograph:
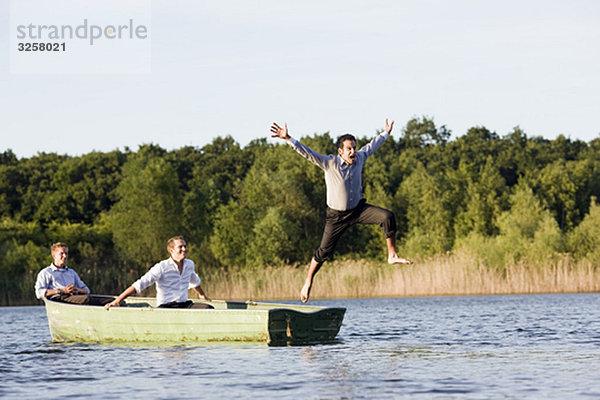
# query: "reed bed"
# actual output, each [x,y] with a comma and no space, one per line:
[448,274]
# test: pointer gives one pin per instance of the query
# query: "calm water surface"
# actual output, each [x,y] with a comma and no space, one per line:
[521,347]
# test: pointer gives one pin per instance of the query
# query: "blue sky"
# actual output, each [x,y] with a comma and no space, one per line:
[232,67]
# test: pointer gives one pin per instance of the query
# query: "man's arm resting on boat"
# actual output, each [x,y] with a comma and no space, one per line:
[200,292]
[117,302]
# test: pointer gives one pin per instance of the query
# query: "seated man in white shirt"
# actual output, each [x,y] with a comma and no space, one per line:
[173,277]
[61,283]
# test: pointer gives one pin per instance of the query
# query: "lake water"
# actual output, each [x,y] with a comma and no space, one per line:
[521,347]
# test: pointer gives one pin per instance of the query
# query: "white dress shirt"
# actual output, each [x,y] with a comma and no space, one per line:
[53,277]
[170,285]
[343,180]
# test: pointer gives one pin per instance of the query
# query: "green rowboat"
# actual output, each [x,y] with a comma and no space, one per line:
[137,320]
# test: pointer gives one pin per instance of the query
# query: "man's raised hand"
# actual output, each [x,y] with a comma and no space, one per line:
[388,127]
[279,131]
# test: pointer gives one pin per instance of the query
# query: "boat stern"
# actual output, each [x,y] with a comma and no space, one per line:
[290,327]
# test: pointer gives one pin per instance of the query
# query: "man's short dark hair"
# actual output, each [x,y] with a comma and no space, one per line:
[343,138]
[58,245]
[171,242]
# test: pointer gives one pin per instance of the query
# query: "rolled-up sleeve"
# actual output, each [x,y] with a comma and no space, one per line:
[41,284]
[148,279]
[195,280]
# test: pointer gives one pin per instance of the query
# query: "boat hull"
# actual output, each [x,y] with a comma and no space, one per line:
[138,321]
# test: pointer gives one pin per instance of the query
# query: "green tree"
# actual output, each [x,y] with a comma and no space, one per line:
[37,173]
[19,266]
[200,204]
[82,188]
[484,198]
[232,230]
[273,239]
[429,220]
[558,192]
[527,232]
[282,179]
[148,210]
[226,164]
[584,240]
[10,182]
[420,132]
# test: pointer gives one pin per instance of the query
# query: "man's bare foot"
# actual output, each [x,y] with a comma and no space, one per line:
[305,292]
[395,259]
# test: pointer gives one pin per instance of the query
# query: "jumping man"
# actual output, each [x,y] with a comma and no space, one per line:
[345,205]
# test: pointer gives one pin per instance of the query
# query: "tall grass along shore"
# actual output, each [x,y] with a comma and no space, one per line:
[449,274]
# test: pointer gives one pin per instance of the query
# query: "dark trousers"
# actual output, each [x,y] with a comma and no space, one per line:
[83,299]
[337,222]
[185,304]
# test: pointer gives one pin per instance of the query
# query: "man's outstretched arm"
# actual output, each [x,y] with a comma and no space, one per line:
[318,159]
[378,140]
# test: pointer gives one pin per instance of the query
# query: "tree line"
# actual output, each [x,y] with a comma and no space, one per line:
[505,198]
